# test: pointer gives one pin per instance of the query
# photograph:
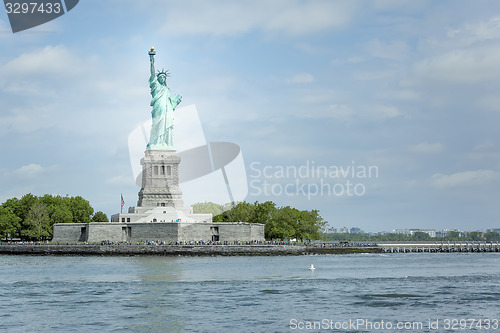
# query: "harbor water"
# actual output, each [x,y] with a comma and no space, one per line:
[396,292]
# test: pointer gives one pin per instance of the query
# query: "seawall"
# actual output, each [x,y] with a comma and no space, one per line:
[179,250]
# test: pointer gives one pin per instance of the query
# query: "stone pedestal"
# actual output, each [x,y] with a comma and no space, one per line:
[160,198]
[160,180]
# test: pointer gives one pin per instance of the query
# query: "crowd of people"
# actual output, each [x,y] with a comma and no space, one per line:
[201,243]
[239,243]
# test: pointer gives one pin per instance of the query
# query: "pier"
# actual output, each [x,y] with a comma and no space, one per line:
[127,249]
[469,247]
[266,249]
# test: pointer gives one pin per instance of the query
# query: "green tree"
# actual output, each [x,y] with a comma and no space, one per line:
[61,214]
[452,236]
[235,212]
[58,209]
[81,210]
[37,223]
[491,236]
[263,212]
[13,205]
[421,236]
[207,208]
[222,217]
[282,224]
[241,212]
[33,217]
[100,217]
[475,236]
[309,225]
[25,205]
[9,223]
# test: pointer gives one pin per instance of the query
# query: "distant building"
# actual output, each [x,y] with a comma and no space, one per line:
[411,232]
[356,230]
[430,232]
[443,233]
[401,231]
[344,230]
[330,230]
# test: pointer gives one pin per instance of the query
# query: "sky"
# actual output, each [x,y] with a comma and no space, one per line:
[380,114]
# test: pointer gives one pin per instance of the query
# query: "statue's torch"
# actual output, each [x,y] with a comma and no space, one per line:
[152,53]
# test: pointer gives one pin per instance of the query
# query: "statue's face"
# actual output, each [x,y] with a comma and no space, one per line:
[161,79]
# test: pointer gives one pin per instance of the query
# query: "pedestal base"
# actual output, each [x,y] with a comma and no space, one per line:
[160,180]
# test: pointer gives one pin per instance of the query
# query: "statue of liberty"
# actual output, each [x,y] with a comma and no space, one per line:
[163,103]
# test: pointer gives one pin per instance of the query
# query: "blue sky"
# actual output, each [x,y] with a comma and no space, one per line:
[410,87]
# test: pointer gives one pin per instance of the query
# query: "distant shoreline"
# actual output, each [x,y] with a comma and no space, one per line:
[178,250]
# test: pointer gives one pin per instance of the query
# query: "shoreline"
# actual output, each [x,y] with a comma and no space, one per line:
[178,250]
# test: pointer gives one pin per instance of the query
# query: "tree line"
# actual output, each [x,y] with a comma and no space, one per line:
[33,217]
[417,236]
[280,222]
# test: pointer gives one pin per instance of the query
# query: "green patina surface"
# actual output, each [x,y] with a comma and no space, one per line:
[164,104]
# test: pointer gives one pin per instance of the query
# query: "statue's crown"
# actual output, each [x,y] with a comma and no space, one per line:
[163,72]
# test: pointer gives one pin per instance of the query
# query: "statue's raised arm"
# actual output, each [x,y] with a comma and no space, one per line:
[152,61]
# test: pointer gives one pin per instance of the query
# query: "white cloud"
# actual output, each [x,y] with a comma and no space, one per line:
[309,48]
[490,102]
[408,95]
[318,96]
[471,33]
[302,78]
[465,178]
[290,17]
[49,60]
[59,88]
[461,66]
[340,112]
[26,120]
[400,5]
[4,27]
[400,94]
[484,146]
[309,17]
[346,113]
[385,111]
[121,180]
[467,54]
[427,148]
[29,171]
[355,60]
[394,50]
[374,75]
[467,35]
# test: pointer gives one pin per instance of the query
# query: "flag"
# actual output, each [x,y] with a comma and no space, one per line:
[123,203]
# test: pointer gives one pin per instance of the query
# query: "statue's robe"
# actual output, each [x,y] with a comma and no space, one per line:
[163,104]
